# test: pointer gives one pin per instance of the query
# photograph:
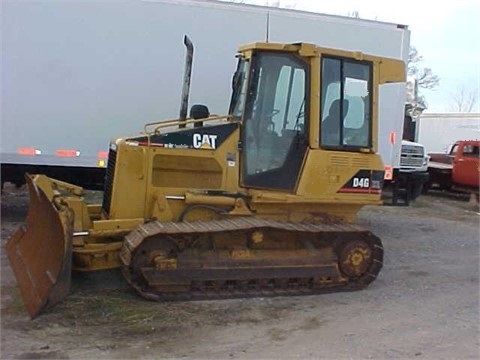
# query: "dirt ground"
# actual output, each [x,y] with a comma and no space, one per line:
[424,305]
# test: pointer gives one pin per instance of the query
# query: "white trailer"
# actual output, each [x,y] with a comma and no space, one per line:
[438,131]
[76,74]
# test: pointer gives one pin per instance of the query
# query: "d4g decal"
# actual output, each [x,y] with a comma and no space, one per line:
[364,182]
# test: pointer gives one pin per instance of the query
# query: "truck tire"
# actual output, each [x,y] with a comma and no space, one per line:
[416,190]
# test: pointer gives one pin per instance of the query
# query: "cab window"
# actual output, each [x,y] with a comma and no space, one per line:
[470,151]
[346,119]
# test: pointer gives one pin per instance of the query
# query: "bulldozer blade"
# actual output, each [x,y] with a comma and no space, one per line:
[40,252]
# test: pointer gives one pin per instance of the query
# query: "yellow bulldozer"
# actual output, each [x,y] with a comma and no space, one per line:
[259,202]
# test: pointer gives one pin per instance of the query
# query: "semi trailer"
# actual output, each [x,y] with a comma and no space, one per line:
[78,73]
[439,131]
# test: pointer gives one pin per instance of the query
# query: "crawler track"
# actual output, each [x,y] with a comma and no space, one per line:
[248,257]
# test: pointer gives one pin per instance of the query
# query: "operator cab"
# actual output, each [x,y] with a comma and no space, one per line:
[281,117]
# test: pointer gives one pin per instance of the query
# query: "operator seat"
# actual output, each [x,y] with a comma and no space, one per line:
[331,124]
[199,112]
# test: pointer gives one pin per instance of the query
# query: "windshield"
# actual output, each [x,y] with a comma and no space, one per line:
[239,86]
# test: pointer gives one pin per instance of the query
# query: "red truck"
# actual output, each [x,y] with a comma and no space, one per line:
[458,169]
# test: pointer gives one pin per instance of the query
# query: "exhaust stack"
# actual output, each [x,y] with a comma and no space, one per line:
[186,81]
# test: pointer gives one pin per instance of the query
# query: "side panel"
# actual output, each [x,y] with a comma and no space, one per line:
[334,175]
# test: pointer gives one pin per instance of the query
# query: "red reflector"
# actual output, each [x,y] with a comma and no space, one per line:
[392,137]
[28,151]
[388,173]
[102,154]
[67,153]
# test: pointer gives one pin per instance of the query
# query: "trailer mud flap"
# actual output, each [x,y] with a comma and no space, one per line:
[40,252]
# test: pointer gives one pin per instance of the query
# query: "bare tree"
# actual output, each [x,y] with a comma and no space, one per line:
[354,14]
[464,99]
[425,77]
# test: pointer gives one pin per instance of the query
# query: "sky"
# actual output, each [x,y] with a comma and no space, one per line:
[446,34]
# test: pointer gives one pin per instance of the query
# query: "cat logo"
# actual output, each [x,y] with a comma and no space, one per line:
[204,141]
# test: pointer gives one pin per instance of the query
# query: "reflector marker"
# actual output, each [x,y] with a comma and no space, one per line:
[67,153]
[102,155]
[29,151]
[388,172]
[393,137]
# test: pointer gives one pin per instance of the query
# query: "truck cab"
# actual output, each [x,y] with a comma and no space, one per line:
[413,157]
[458,168]
[465,158]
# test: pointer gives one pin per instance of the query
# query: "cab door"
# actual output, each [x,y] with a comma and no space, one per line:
[466,164]
[274,138]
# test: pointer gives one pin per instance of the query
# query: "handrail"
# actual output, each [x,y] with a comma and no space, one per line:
[175,122]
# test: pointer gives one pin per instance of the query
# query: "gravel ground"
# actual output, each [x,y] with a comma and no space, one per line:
[424,305]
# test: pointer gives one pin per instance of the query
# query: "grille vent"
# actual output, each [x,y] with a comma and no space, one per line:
[109,176]
[349,160]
